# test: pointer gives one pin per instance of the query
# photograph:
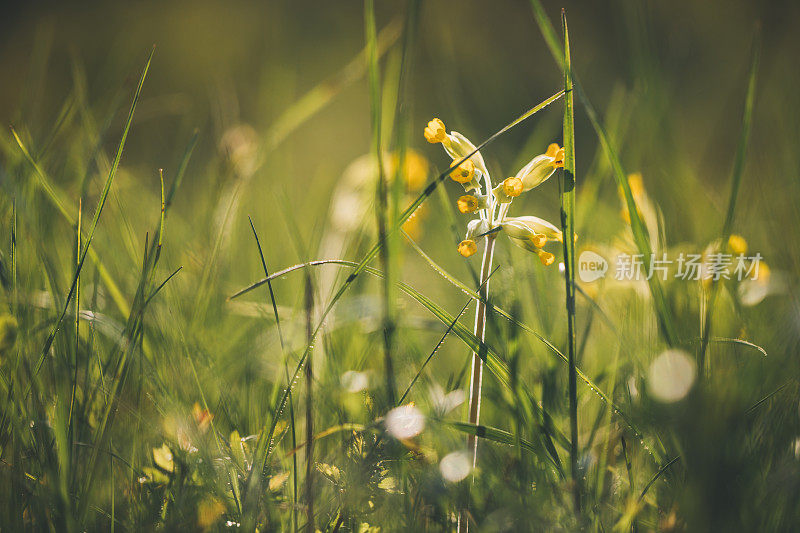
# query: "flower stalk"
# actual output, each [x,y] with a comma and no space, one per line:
[480,332]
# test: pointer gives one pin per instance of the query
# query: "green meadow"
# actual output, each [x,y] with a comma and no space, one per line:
[400,265]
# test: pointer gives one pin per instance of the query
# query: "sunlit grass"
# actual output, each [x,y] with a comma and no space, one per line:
[217,341]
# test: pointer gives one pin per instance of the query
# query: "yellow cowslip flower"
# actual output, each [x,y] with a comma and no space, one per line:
[457,147]
[532,229]
[463,173]
[541,167]
[512,187]
[475,228]
[737,244]
[532,233]
[764,272]
[467,247]
[546,258]
[469,203]
[435,132]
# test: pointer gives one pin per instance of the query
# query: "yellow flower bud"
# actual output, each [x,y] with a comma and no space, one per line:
[531,229]
[541,167]
[463,173]
[737,244]
[467,248]
[512,187]
[467,204]
[435,131]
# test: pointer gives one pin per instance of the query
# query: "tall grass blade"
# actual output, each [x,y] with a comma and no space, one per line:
[260,467]
[382,193]
[567,186]
[638,229]
[318,97]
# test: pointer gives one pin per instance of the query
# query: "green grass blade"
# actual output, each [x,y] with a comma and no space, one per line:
[439,344]
[567,186]
[637,225]
[98,211]
[58,198]
[382,203]
[260,467]
[657,475]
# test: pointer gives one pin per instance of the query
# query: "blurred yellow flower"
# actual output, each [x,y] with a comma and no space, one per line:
[737,244]
[163,458]
[415,169]
[208,512]
[201,416]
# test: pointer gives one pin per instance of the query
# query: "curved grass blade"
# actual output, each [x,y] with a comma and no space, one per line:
[286,370]
[657,475]
[726,340]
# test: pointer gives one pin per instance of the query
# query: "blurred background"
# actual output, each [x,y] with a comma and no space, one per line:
[277,96]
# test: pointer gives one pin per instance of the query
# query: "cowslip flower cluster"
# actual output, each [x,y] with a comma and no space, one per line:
[491,203]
